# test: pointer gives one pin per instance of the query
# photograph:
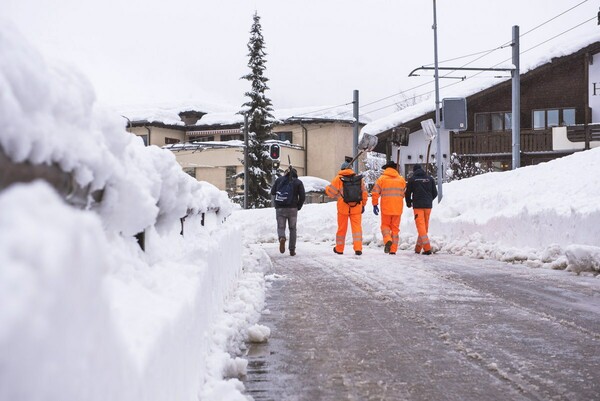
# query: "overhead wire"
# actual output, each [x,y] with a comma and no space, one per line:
[481,72]
[485,53]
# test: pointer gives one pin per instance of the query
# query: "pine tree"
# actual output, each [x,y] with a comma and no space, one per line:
[258,108]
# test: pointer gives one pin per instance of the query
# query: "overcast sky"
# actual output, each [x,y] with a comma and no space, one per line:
[318,51]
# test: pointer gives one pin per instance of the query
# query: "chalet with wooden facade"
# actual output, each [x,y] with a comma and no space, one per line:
[560,115]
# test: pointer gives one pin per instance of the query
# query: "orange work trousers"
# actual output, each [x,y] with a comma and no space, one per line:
[356,226]
[422,223]
[390,230]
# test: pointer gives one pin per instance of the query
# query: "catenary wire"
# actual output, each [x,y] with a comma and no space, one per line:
[485,53]
[481,72]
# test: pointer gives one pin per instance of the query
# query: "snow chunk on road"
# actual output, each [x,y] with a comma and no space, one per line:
[258,333]
[583,258]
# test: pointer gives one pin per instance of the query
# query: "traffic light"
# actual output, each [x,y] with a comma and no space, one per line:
[274,151]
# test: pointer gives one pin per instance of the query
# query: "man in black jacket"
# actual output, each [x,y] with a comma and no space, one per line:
[420,193]
[288,192]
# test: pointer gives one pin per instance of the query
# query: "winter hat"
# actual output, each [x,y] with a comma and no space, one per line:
[390,164]
[344,166]
[417,167]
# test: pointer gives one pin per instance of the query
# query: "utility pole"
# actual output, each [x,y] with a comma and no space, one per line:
[245,160]
[516,98]
[516,101]
[438,141]
[355,130]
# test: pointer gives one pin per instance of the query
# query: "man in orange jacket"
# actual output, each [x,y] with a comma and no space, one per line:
[347,210]
[390,187]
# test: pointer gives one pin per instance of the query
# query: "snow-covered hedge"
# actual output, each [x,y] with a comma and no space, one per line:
[86,314]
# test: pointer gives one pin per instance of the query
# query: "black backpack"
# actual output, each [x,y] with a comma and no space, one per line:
[352,189]
[285,192]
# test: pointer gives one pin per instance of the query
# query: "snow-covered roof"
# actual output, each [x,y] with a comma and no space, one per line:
[470,87]
[168,114]
[313,184]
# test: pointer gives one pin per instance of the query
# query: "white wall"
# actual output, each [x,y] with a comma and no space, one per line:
[594,87]
[417,146]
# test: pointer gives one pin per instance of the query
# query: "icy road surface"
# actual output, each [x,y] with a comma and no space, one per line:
[413,327]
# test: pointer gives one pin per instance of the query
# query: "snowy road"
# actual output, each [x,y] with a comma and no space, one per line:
[411,327]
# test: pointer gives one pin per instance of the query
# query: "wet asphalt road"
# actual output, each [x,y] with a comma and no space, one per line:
[411,327]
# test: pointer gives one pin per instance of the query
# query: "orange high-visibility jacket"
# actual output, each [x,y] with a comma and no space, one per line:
[390,187]
[334,190]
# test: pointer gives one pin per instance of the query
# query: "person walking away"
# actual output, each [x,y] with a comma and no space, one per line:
[420,193]
[289,196]
[351,194]
[390,188]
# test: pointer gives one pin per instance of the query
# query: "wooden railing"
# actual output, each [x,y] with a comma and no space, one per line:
[473,143]
[584,133]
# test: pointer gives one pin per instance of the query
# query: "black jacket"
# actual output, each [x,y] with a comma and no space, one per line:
[420,190]
[298,187]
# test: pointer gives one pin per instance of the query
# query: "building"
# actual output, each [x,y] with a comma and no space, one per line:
[559,115]
[209,145]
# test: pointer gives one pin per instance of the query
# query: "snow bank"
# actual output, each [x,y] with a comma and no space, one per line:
[55,317]
[528,215]
[546,215]
[48,115]
[86,314]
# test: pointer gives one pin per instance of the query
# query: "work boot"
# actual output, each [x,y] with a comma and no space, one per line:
[292,252]
[358,253]
[427,253]
[335,251]
[282,245]
[392,253]
[387,247]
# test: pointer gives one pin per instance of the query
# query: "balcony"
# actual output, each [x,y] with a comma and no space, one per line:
[500,143]
[584,133]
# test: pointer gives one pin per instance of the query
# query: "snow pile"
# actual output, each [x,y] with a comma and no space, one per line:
[583,258]
[313,184]
[530,215]
[55,317]
[258,333]
[546,215]
[48,116]
[86,314]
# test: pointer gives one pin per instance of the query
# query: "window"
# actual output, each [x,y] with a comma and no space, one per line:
[169,141]
[568,117]
[508,121]
[552,119]
[232,137]
[543,119]
[284,136]
[539,119]
[497,121]
[230,179]
[190,170]
[204,139]
[482,122]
